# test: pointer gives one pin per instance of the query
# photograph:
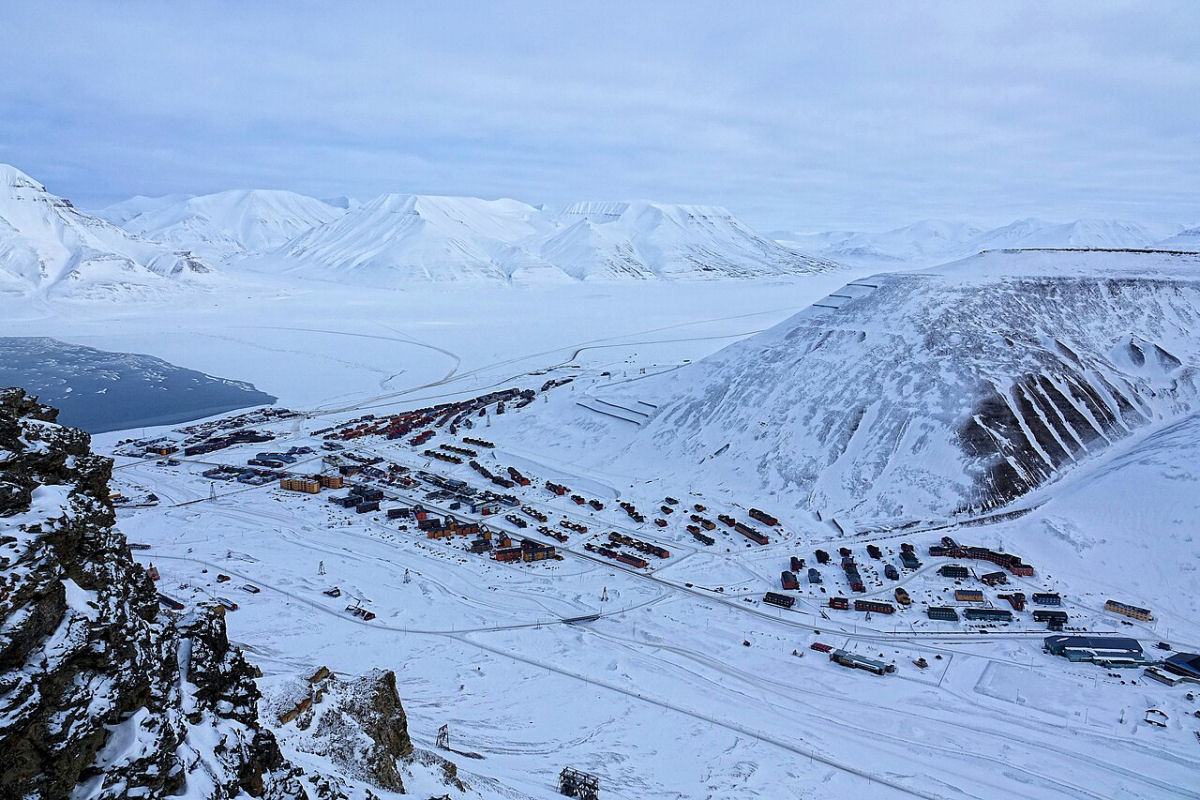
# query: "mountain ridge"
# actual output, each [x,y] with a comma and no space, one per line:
[930,242]
[49,247]
[406,238]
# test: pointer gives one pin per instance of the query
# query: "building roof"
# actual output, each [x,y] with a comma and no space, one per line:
[1185,663]
[1109,644]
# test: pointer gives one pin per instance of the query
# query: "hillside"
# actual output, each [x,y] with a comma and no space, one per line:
[51,249]
[217,226]
[914,396]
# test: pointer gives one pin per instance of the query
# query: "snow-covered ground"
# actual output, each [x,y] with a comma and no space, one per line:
[319,344]
[659,696]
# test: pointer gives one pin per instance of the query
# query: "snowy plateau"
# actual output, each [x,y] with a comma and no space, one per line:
[669,369]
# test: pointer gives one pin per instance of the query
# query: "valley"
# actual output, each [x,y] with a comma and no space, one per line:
[477,643]
[811,530]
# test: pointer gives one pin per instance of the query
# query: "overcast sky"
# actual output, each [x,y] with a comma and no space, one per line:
[794,115]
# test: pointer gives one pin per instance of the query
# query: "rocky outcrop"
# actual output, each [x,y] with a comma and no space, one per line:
[102,694]
[363,729]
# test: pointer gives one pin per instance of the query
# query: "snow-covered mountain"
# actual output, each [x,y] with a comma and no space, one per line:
[398,239]
[404,239]
[217,226]
[1184,240]
[122,212]
[937,241]
[47,246]
[1080,233]
[928,241]
[917,395]
[656,240]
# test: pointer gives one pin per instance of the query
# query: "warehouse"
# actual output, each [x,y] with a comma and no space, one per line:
[855,661]
[1185,664]
[1109,651]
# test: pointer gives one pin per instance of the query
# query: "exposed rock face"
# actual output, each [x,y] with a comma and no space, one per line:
[364,729]
[101,694]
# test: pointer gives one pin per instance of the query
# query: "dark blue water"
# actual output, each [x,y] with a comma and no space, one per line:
[100,391]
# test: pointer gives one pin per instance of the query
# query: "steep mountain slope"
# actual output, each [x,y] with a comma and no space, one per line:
[656,240]
[106,694]
[918,395]
[50,248]
[93,704]
[407,239]
[400,239]
[937,241]
[217,226]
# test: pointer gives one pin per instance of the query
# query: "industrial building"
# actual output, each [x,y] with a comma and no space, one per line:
[855,661]
[1185,664]
[1109,651]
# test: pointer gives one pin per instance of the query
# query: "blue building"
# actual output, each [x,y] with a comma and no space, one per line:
[1185,664]
[1109,651]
